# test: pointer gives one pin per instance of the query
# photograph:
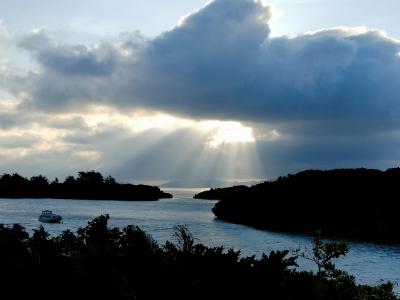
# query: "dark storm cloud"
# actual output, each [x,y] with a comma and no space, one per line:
[12,119]
[221,63]
[328,75]
[69,60]
[77,61]
[284,156]
[8,120]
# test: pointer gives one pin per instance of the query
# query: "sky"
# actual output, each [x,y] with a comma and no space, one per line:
[156,91]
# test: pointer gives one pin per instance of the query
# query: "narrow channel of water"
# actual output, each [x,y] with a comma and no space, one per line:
[370,263]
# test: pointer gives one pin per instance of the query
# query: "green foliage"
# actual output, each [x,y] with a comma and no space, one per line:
[91,177]
[340,283]
[18,232]
[277,261]
[383,291]
[68,242]
[39,180]
[110,180]
[69,180]
[126,263]
[325,252]
[134,241]
[184,238]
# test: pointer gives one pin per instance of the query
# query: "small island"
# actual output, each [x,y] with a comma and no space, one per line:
[89,185]
[350,203]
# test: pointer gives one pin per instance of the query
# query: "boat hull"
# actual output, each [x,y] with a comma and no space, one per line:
[50,220]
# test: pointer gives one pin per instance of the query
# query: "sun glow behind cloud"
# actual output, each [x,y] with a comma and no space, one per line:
[218,132]
[136,122]
[213,149]
[226,132]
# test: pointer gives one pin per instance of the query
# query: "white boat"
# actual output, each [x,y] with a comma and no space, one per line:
[47,216]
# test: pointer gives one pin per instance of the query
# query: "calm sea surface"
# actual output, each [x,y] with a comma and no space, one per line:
[370,263]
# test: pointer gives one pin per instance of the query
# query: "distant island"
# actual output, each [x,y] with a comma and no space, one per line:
[89,185]
[205,183]
[351,203]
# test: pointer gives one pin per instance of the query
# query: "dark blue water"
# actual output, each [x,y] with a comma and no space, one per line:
[370,263]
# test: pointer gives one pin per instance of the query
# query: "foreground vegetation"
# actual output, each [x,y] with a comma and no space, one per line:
[351,203]
[87,185]
[98,262]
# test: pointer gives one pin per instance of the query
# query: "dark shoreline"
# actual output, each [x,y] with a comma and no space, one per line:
[87,186]
[168,196]
[359,204]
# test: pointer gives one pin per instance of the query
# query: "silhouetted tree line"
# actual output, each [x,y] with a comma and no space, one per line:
[98,262]
[87,185]
[354,203]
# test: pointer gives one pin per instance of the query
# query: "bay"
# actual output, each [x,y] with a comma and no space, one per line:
[370,263]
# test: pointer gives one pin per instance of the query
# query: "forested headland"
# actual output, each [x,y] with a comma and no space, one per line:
[87,185]
[351,203]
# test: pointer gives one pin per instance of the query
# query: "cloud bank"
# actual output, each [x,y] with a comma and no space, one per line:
[221,63]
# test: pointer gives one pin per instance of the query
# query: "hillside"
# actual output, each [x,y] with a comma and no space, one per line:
[353,203]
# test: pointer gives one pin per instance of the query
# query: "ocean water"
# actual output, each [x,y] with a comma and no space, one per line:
[370,263]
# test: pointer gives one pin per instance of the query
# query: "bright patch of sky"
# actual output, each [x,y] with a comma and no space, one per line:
[98,19]
[297,16]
